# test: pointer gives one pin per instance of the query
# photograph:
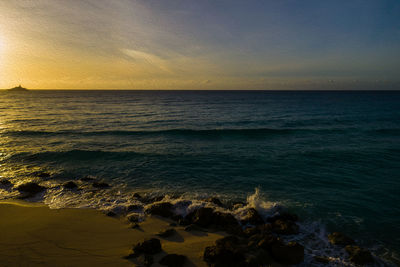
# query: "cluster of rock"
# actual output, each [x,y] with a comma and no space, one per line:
[143,254]
[357,255]
[30,189]
[253,242]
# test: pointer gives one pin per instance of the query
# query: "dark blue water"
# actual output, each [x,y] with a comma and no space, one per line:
[332,157]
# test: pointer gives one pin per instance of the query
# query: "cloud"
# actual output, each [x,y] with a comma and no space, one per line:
[148,59]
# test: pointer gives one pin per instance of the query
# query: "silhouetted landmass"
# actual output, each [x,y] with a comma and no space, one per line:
[18,89]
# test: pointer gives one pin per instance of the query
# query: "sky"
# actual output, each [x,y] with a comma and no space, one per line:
[200,44]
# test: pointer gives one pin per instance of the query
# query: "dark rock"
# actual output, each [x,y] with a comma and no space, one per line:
[320,259]
[177,217]
[70,185]
[135,226]
[31,188]
[252,217]
[167,233]
[100,185]
[173,260]
[220,257]
[203,217]
[285,216]
[145,260]
[340,239]
[285,227]
[359,255]
[43,175]
[163,209]
[291,253]
[133,208]
[87,179]
[149,246]
[173,224]
[258,258]
[250,231]
[215,201]
[267,242]
[228,242]
[137,196]
[5,183]
[111,214]
[133,218]
[224,219]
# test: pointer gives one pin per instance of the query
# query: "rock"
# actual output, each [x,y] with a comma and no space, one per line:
[285,216]
[133,207]
[173,260]
[203,217]
[267,241]
[167,233]
[228,242]
[285,227]
[258,258]
[145,260]
[100,185]
[43,175]
[220,257]
[135,226]
[149,246]
[111,214]
[291,253]
[359,255]
[176,217]
[87,179]
[70,185]
[163,209]
[133,218]
[173,224]
[137,196]
[223,219]
[252,217]
[215,201]
[5,183]
[250,231]
[31,188]
[320,259]
[340,239]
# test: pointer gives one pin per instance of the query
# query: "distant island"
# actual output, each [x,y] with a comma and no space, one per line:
[18,89]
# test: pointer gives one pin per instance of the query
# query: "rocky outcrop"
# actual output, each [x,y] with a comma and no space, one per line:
[173,260]
[5,183]
[290,253]
[148,247]
[252,217]
[215,201]
[340,239]
[163,209]
[226,252]
[100,185]
[30,189]
[359,255]
[70,185]
[285,227]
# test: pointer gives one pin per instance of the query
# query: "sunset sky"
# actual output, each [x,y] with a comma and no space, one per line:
[200,44]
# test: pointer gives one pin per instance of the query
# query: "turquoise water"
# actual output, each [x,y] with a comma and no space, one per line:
[331,157]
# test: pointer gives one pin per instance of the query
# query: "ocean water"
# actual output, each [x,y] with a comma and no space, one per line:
[331,157]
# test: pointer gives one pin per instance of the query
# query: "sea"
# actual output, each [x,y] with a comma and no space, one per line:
[332,157]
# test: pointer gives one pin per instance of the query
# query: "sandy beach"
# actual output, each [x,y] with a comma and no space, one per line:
[34,235]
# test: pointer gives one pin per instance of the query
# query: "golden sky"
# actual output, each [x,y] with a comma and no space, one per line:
[137,44]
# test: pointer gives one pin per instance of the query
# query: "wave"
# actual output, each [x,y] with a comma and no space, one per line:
[224,132]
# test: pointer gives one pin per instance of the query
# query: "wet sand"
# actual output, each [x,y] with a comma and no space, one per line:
[34,235]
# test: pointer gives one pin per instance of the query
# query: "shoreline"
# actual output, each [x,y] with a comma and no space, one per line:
[34,235]
[79,236]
